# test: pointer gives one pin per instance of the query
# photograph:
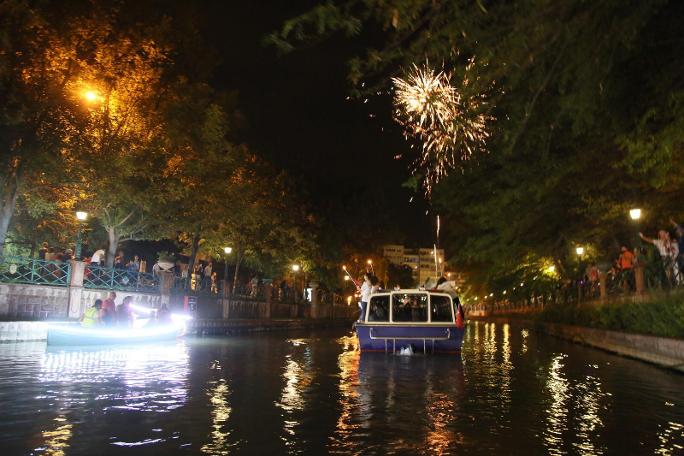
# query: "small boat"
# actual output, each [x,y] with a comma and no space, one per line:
[408,321]
[73,334]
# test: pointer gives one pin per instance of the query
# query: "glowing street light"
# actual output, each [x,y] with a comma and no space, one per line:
[579,251]
[295,267]
[81,216]
[635,214]
[91,96]
[347,278]
[228,250]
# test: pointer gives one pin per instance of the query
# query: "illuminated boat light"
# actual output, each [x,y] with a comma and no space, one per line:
[70,334]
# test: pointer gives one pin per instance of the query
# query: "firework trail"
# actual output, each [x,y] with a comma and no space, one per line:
[449,125]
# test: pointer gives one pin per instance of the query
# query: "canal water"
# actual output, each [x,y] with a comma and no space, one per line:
[511,392]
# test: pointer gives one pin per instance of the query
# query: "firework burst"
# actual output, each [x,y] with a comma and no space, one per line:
[448,124]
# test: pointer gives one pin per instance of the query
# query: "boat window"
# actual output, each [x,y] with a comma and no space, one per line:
[410,307]
[378,308]
[441,308]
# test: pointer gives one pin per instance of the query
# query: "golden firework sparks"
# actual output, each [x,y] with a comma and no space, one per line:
[449,125]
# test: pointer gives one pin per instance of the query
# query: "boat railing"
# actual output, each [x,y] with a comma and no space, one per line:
[119,279]
[24,270]
[425,338]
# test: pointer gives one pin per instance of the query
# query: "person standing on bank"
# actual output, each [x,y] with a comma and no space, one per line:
[365,289]
[669,251]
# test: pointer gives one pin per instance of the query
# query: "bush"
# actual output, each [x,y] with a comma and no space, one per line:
[663,316]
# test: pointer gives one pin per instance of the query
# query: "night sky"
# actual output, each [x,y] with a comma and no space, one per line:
[299,117]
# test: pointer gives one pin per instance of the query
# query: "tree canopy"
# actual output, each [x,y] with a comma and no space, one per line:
[587,98]
[107,110]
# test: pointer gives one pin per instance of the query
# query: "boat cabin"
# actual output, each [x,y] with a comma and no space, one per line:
[410,307]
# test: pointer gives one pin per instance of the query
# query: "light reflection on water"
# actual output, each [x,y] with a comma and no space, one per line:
[57,439]
[511,392]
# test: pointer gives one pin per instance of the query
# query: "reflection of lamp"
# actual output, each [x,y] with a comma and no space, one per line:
[81,216]
[635,214]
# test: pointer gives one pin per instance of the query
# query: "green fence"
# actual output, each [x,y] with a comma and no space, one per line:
[119,280]
[34,272]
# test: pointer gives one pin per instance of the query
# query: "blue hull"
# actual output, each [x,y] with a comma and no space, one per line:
[74,335]
[428,339]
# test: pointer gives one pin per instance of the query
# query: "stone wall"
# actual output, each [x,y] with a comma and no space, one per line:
[663,351]
[42,302]
[32,302]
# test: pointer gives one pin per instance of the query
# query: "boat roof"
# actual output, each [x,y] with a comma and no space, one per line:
[411,290]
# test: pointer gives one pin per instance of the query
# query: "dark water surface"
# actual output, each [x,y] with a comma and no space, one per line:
[511,392]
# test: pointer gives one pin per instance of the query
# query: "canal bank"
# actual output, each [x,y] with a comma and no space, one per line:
[25,331]
[662,351]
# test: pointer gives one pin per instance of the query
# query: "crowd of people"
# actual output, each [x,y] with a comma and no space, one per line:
[107,313]
[369,284]
[621,275]
[48,253]
[51,253]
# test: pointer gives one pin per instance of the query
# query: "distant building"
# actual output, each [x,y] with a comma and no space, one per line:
[421,261]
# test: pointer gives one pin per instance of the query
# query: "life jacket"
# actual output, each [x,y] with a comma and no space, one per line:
[90,317]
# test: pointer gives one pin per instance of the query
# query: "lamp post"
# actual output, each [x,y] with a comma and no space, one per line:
[639,283]
[579,251]
[81,216]
[295,269]
[227,251]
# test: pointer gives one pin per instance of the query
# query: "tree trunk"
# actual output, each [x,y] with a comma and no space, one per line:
[193,256]
[238,260]
[10,192]
[113,246]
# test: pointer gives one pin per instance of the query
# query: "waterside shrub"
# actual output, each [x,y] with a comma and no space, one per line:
[662,316]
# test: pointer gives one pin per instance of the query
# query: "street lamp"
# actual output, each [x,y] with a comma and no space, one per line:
[635,215]
[295,270]
[579,251]
[81,216]
[91,95]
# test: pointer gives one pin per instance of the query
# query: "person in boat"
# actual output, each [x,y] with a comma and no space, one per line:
[445,286]
[365,289]
[124,312]
[109,309]
[93,315]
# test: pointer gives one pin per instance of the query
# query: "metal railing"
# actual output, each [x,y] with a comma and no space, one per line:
[35,272]
[119,279]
